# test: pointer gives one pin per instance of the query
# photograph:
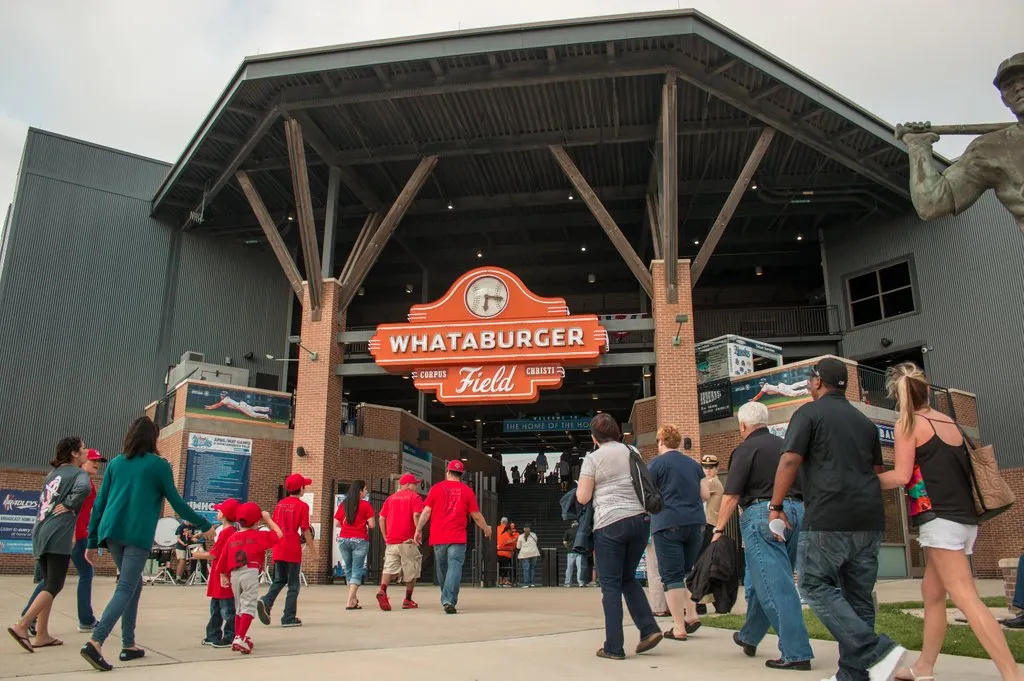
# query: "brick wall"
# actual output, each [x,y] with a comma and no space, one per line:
[1008,566]
[1002,537]
[644,418]
[966,407]
[676,370]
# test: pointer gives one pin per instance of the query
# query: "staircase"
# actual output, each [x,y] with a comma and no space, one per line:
[538,507]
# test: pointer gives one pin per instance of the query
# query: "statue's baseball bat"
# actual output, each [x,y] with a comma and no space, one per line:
[958,129]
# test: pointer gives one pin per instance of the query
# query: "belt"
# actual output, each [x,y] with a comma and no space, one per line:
[758,500]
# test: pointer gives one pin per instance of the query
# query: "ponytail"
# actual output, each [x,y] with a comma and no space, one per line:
[906,383]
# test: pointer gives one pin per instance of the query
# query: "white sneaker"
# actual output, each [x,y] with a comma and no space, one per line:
[884,669]
[831,678]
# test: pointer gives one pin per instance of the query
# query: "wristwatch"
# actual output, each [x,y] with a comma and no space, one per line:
[775,507]
[717,531]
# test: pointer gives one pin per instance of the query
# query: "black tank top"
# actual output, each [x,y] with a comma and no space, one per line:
[940,485]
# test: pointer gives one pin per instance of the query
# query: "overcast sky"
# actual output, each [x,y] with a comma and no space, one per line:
[140,76]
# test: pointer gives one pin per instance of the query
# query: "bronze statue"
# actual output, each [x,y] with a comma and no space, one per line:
[995,160]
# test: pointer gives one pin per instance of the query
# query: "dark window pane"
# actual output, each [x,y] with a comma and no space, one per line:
[896,276]
[899,302]
[866,311]
[863,286]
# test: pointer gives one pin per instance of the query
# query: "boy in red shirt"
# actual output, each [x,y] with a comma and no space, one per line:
[242,558]
[398,518]
[292,515]
[452,503]
[220,630]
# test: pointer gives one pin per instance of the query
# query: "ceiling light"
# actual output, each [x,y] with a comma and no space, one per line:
[465,459]
[452,414]
[571,197]
[362,291]
[434,400]
[451,206]
[799,237]
[479,254]
[583,248]
[758,271]
[408,288]
[291,217]
[696,242]
[256,241]
[591,277]
[593,397]
[753,185]
[647,374]
[477,420]
[586,371]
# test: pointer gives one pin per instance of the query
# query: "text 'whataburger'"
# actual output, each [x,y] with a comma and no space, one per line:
[514,339]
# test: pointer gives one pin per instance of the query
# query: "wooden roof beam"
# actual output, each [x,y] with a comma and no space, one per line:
[304,211]
[291,272]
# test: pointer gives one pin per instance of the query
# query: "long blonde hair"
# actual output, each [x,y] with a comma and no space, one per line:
[907,384]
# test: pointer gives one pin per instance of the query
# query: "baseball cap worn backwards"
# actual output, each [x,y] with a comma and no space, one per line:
[832,372]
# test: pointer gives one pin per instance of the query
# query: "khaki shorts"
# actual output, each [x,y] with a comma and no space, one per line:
[404,559]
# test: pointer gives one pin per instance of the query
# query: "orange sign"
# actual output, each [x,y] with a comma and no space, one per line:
[489,339]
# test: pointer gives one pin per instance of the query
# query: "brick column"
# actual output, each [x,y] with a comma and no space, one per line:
[676,370]
[318,422]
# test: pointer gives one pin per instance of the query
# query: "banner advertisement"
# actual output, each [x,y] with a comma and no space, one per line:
[779,429]
[544,424]
[419,462]
[221,402]
[339,565]
[715,400]
[18,510]
[778,389]
[887,434]
[217,468]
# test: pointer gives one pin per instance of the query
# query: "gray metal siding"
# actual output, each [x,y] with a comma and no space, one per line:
[84,314]
[970,290]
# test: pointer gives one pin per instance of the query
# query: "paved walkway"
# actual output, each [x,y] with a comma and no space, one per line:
[512,634]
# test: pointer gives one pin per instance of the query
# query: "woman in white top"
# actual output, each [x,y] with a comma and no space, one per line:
[621,530]
[528,555]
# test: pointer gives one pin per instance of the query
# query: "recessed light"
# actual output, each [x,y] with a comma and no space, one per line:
[451,206]
[753,185]
[583,248]
[571,197]
[696,242]
[799,237]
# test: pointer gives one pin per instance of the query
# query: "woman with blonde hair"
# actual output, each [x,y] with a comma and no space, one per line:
[932,463]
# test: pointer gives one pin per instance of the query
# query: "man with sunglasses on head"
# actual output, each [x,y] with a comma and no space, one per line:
[840,453]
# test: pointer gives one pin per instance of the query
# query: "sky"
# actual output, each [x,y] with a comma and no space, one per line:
[141,76]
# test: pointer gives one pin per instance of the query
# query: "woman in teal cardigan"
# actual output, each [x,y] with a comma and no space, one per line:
[124,519]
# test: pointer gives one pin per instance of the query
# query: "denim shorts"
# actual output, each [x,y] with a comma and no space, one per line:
[677,548]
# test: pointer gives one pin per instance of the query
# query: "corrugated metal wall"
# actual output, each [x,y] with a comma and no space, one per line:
[970,290]
[97,299]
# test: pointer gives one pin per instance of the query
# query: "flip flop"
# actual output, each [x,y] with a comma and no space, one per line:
[52,644]
[670,635]
[692,626]
[354,607]
[22,640]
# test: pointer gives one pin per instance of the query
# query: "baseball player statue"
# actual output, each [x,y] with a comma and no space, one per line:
[994,160]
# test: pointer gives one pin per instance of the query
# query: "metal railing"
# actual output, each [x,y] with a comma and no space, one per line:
[767,322]
[873,392]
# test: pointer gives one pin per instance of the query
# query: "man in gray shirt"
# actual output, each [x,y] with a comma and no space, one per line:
[64,491]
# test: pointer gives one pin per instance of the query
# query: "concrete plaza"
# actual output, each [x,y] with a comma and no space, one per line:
[510,634]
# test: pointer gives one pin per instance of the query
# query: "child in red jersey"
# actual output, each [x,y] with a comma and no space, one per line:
[220,631]
[242,558]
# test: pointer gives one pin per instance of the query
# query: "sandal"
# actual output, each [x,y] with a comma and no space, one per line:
[913,675]
[354,607]
[22,640]
[671,636]
[52,643]
[692,626]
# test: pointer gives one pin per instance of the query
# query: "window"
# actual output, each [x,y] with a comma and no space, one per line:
[880,294]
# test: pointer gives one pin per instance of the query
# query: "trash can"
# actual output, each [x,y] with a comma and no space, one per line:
[548,567]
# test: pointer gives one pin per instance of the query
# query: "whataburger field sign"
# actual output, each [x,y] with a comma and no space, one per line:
[489,339]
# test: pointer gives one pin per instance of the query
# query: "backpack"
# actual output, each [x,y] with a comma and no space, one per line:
[643,483]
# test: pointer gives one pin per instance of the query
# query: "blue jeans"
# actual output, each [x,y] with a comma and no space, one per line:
[771,596]
[353,555]
[528,564]
[85,572]
[1018,591]
[287,574]
[124,604]
[838,571]
[677,548]
[222,619]
[448,561]
[618,548]
[574,561]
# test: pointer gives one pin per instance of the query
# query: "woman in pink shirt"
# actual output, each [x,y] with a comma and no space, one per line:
[356,518]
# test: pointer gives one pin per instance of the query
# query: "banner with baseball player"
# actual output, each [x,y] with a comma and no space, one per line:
[224,402]
[773,390]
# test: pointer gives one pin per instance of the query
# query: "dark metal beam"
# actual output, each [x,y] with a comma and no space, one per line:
[387,227]
[738,190]
[330,222]
[589,197]
[669,200]
[722,67]
[304,215]
[291,272]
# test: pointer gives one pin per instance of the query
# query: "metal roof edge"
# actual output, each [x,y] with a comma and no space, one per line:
[77,140]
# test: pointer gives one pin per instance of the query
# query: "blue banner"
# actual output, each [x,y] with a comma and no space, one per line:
[18,510]
[542,424]
[217,469]
[887,434]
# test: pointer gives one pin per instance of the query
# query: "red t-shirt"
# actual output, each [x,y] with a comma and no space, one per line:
[213,587]
[397,511]
[450,504]
[358,529]
[82,521]
[246,548]
[292,515]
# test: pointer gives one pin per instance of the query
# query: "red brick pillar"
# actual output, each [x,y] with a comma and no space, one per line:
[318,422]
[676,369]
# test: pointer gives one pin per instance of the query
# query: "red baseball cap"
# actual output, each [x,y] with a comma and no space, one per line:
[296,481]
[94,455]
[248,513]
[456,466]
[229,507]
[409,479]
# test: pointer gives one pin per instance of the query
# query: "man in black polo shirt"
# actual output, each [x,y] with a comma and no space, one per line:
[771,596]
[839,450]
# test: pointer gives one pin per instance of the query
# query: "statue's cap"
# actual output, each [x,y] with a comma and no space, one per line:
[1014,64]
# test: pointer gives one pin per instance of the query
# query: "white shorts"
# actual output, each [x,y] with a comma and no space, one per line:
[946,534]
